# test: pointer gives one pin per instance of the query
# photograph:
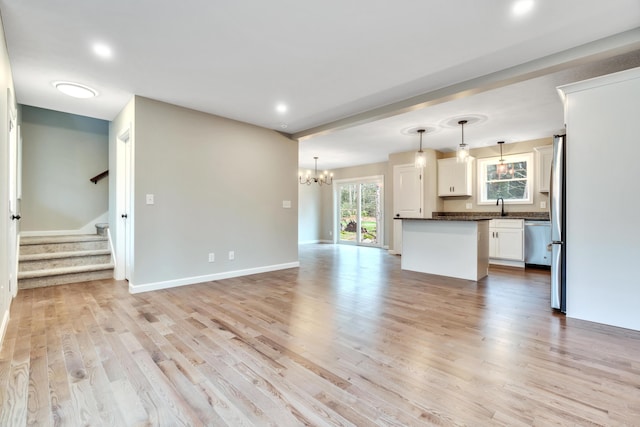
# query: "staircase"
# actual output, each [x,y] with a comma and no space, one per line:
[58,260]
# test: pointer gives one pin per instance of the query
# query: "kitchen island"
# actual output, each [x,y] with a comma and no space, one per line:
[446,246]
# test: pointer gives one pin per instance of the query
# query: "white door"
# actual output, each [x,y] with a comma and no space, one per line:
[124,211]
[407,199]
[14,215]
[407,191]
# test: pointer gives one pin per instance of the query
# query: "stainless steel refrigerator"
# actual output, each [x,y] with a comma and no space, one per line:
[558,225]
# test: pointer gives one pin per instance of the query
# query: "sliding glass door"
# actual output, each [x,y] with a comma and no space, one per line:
[360,204]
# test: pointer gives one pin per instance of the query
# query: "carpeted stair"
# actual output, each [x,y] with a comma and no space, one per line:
[57,260]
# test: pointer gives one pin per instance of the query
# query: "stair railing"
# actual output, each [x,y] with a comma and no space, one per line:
[98,177]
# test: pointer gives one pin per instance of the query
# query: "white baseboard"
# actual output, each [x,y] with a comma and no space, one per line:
[5,323]
[394,252]
[88,228]
[311,242]
[135,289]
[506,263]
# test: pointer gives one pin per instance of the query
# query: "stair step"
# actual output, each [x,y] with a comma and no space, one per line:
[50,260]
[63,279]
[58,260]
[72,243]
[65,270]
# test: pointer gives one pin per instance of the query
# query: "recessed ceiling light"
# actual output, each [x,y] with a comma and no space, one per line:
[281,108]
[75,89]
[522,7]
[102,50]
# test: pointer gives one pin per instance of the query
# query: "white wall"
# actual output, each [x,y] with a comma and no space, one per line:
[60,153]
[6,85]
[309,213]
[219,186]
[603,231]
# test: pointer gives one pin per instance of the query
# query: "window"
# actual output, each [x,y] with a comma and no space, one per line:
[514,185]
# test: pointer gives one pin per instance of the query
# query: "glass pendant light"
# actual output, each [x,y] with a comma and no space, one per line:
[462,153]
[421,159]
[501,168]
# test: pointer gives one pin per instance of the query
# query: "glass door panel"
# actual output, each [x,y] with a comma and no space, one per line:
[360,212]
[369,213]
[348,212]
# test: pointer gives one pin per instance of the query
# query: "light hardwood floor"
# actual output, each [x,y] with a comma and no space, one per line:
[346,339]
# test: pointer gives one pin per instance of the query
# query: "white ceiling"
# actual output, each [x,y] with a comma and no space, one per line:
[345,69]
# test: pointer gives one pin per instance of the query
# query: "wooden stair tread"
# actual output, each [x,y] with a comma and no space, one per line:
[64,270]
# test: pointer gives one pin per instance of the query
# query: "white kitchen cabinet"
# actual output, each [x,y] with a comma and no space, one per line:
[506,242]
[455,179]
[544,157]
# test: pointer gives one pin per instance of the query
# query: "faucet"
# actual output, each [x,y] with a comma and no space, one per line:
[497,202]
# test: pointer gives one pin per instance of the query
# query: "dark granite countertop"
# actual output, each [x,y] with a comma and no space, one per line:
[449,218]
[540,216]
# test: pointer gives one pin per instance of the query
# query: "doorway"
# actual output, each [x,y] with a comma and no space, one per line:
[124,207]
[359,215]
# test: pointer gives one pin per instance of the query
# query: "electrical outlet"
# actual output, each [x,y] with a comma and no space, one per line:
[232,255]
[150,198]
[212,257]
[469,205]
[543,205]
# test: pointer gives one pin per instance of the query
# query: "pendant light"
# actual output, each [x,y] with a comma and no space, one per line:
[421,159]
[462,153]
[501,168]
[324,178]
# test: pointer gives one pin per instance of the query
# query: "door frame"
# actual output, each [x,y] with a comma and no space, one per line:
[336,209]
[124,227]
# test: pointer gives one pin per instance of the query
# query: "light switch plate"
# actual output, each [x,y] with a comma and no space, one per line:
[286,204]
[150,200]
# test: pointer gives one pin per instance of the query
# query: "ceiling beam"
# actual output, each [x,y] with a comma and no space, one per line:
[619,44]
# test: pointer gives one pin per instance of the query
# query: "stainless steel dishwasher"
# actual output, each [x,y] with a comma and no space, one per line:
[537,237]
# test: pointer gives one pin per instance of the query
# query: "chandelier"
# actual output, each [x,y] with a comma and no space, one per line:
[324,178]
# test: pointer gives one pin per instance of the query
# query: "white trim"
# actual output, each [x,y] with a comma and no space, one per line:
[613,78]
[113,252]
[309,242]
[5,323]
[88,228]
[505,262]
[135,289]
[481,166]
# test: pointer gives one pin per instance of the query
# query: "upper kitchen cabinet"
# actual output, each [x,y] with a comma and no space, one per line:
[455,179]
[544,156]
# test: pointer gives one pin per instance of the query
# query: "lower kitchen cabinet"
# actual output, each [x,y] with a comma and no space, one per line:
[506,242]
